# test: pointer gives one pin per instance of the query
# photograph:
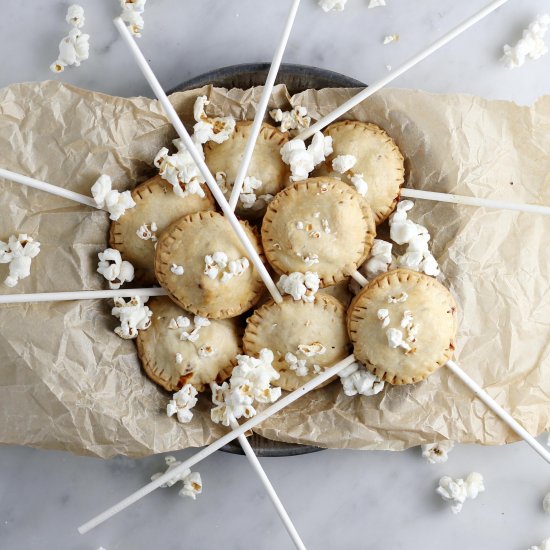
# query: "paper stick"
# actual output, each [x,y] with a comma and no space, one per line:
[255,463]
[262,106]
[224,440]
[359,278]
[474,201]
[48,188]
[367,92]
[188,142]
[498,410]
[79,295]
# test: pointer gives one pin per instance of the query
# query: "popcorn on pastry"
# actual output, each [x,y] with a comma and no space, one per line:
[319,225]
[423,324]
[267,173]
[250,382]
[203,289]
[302,336]
[296,119]
[154,200]
[180,350]
[380,164]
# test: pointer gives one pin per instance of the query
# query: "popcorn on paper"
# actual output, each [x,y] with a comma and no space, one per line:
[113,201]
[182,402]
[297,119]
[18,252]
[356,379]
[217,129]
[116,270]
[544,545]
[404,231]
[192,483]
[390,38]
[134,315]
[457,491]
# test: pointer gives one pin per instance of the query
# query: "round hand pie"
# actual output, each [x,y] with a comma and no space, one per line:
[403,326]
[269,172]
[156,205]
[305,337]
[379,161]
[320,225]
[203,266]
[178,349]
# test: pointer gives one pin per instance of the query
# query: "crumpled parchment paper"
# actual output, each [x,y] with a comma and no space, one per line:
[68,382]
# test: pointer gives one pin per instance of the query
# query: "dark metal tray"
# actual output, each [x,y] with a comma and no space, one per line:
[297,78]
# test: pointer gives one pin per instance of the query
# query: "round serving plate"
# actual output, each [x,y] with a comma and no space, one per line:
[297,78]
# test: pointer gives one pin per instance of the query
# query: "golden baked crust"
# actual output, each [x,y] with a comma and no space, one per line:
[433,311]
[186,242]
[266,164]
[158,345]
[155,202]
[285,326]
[340,250]
[378,159]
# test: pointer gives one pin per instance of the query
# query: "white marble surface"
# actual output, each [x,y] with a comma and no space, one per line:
[348,500]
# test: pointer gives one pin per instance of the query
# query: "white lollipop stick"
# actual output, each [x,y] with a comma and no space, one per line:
[188,142]
[363,281]
[79,295]
[494,406]
[262,106]
[48,188]
[255,463]
[213,447]
[498,410]
[473,201]
[367,92]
